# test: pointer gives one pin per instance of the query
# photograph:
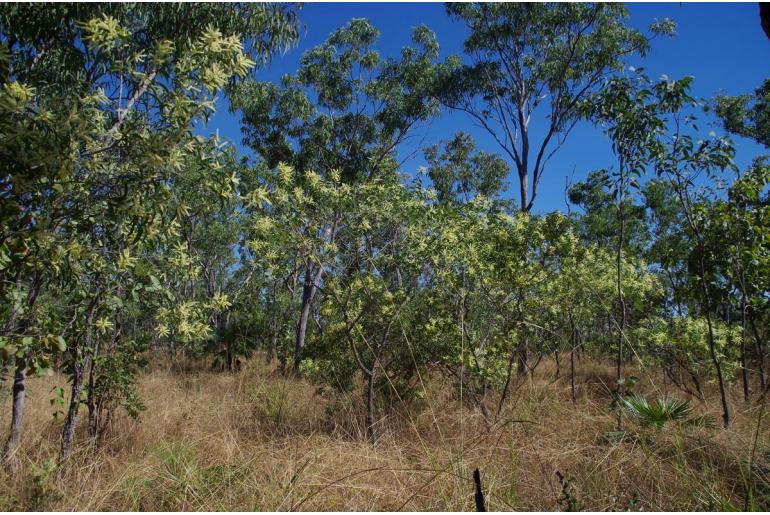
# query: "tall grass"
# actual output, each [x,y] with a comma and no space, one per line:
[256,440]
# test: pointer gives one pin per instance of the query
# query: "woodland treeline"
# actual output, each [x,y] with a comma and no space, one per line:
[125,236]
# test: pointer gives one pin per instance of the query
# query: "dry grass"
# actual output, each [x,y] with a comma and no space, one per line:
[257,441]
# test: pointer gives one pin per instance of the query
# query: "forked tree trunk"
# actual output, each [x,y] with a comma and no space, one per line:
[17,418]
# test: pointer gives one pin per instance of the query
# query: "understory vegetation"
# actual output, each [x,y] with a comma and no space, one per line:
[311,324]
[259,440]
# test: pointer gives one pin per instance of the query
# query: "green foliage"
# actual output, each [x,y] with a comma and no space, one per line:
[461,172]
[658,413]
[747,115]
[123,232]
[663,411]
[525,56]
[44,490]
[346,109]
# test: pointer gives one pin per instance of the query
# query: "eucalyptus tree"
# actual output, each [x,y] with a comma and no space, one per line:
[460,172]
[631,116]
[736,240]
[597,217]
[530,67]
[747,115]
[98,103]
[669,247]
[681,161]
[346,111]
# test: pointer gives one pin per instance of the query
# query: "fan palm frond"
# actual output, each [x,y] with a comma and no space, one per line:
[658,413]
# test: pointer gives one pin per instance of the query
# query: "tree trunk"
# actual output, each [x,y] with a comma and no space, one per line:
[760,352]
[509,374]
[523,357]
[79,370]
[272,348]
[726,416]
[371,429]
[558,365]
[19,379]
[573,350]
[17,418]
[68,433]
[621,300]
[572,374]
[93,425]
[744,369]
[308,292]
[524,190]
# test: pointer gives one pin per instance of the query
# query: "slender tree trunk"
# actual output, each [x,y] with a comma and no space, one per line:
[621,301]
[508,375]
[726,416]
[80,365]
[760,352]
[17,418]
[371,428]
[558,365]
[524,190]
[744,368]
[308,292]
[684,198]
[309,289]
[523,357]
[19,379]
[93,426]
[696,383]
[273,347]
[572,363]
[572,375]
[68,433]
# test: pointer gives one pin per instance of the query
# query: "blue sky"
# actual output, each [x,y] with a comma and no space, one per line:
[721,45]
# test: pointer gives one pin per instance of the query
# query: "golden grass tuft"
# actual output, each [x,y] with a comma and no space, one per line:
[256,440]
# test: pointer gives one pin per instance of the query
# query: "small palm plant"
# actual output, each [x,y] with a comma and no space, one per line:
[662,411]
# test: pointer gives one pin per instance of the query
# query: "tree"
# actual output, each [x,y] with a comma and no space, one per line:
[631,116]
[460,172]
[346,111]
[374,289]
[530,58]
[681,162]
[597,219]
[747,115]
[98,102]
